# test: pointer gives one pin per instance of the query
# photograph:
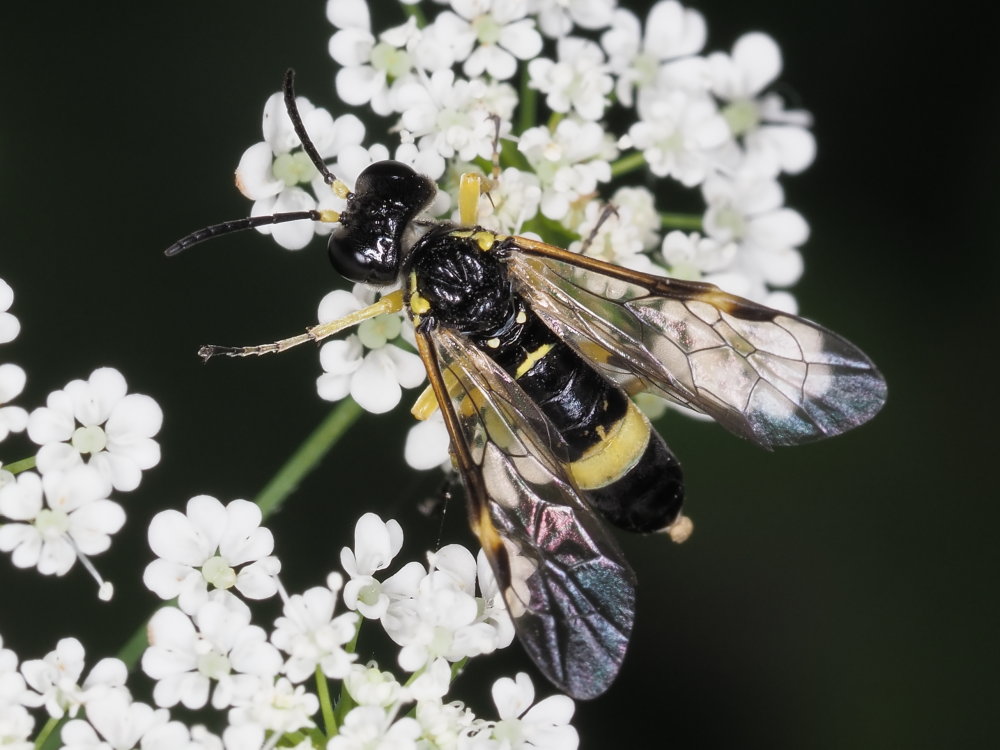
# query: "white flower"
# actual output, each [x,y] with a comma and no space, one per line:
[12,418]
[444,724]
[370,67]
[272,172]
[774,139]
[113,722]
[173,735]
[672,31]
[222,546]
[224,648]
[577,81]
[748,210]
[312,636]
[374,379]
[679,133]
[55,518]
[370,686]
[556,17]
[370,728]
[630,230]
[570,162]
[431,683]
[499,32]
[9,325]
[246,737]
[16,725]
[427,443]
[13,689]
[443,617]
[454,116]
[521,725]
[493,608]
[56,677]
[376,543]
[280,707]
[691,256]
[97,417]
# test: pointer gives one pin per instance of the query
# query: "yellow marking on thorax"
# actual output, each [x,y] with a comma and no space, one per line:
[486,240]
[531,359]
[619,449]
[418,304]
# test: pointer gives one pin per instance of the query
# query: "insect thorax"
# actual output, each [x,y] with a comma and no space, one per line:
[458,278]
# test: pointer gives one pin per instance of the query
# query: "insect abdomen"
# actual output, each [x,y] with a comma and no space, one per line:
[629,474]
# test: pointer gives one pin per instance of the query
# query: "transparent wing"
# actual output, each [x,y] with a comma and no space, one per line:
[768,376]
[565,581]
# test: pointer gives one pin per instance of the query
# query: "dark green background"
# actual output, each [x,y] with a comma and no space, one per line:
[839,595]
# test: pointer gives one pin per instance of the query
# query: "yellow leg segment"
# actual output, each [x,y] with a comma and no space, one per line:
[390,303]
[470,187]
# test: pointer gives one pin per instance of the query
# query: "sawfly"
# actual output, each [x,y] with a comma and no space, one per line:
[533,354]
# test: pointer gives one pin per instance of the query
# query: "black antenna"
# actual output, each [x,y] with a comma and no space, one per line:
[238,225]
[300,129]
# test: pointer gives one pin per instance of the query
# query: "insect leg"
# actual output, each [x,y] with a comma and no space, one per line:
[390,303]
[471,186]
[607,212]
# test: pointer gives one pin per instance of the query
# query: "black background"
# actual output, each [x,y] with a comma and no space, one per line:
[835,595]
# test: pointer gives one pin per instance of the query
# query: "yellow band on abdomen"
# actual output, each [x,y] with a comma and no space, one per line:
[617,452]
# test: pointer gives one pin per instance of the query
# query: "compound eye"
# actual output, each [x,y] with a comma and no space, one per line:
[370,260]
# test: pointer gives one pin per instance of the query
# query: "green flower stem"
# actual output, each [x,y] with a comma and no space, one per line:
[322,439]
[628,163]
[681,221]
[133,648]
[323,692]
[411,9]
[310,453]
[345,702]
[457,667]
[18,466]
[47,730]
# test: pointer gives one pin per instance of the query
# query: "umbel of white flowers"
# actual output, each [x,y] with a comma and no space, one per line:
[444,80]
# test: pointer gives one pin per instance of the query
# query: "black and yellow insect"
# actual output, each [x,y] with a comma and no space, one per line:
[532,353]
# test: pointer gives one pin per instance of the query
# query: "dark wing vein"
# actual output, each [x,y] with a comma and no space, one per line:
[765,375]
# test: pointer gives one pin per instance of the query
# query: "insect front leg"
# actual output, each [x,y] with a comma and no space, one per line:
[390,303]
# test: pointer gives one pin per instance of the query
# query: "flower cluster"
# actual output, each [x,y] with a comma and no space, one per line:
[94,438]
[445,80]
[525,92]
[206,651]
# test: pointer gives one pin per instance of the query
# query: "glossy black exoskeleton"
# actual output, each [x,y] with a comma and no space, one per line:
[366,247]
